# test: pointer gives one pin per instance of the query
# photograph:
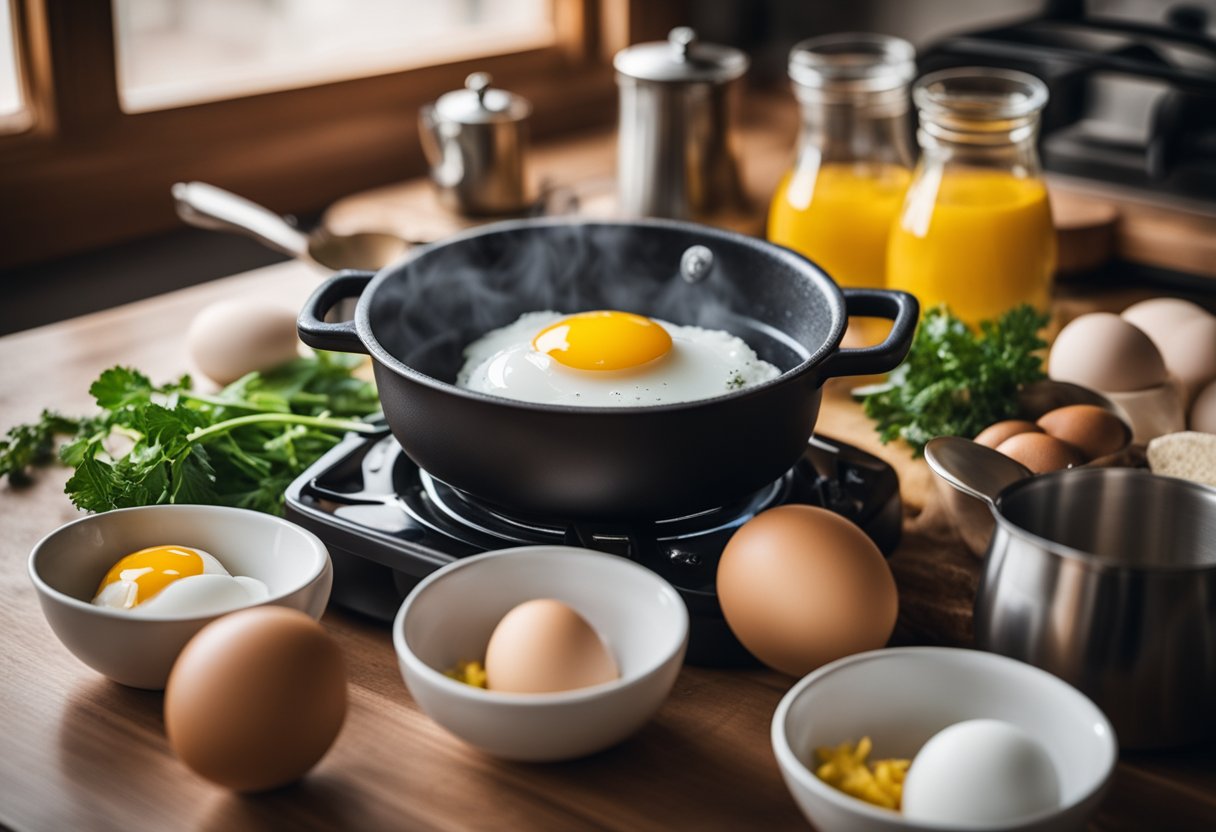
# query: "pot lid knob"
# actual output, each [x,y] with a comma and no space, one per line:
[696,263]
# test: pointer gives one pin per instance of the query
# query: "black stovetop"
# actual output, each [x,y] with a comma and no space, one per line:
[388,524]
[1133,99]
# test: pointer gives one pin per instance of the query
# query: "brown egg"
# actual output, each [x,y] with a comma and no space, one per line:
[544,646]
[256,698]
[1104,352]
[998,432]
[1090,429]
[801,586]
[1040,453]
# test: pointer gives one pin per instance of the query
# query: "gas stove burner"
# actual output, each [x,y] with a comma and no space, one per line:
[507,528]
[388,524]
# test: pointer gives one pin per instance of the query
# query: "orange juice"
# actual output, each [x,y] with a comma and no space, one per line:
[980,241]
[840,216]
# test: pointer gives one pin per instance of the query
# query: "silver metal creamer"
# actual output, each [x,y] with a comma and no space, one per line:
[476,140]
[675,147]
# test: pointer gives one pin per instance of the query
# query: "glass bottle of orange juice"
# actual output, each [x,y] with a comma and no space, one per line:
[975,230]
[837,204]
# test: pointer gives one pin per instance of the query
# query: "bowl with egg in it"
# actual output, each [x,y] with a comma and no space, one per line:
[474,610]
[901,698]
[75,563]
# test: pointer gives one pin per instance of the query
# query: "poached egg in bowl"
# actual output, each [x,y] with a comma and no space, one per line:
[606,358]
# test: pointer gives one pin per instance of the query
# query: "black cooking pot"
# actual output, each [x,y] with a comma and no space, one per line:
[583,463]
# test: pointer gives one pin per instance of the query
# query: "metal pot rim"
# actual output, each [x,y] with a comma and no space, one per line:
[1092,560]
[802,264]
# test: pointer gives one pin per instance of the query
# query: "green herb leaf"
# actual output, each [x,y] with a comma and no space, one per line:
[956,382]
[28,445]
[169,444]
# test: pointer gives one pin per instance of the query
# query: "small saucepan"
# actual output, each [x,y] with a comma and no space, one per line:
[603,463]
[1105,577]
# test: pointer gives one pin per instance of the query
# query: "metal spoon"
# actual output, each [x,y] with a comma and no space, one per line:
[207,206]
[973,469]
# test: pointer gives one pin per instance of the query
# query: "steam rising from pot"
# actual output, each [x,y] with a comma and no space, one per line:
[452,293]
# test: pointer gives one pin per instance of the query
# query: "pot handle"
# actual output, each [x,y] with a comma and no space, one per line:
[972,468]
[340,336]
[900,307]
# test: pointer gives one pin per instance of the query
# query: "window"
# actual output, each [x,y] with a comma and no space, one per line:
[293,103]
[13,114]
[173,52]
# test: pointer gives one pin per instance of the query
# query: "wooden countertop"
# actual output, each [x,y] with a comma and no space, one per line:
[77,751]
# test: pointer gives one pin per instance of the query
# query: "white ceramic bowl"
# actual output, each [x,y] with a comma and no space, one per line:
[450,615]
[901,697]
[67,565]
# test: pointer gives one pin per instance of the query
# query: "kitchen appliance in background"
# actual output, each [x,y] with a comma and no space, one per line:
[1132,103]
[388,524]
[476,141]
[675,154]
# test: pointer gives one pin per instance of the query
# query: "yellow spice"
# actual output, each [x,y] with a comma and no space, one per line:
[845,768]
[471,673]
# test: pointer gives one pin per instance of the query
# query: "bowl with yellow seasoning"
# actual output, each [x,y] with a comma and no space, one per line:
[929,738]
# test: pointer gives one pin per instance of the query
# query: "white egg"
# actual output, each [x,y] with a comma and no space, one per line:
[983,771]
[233,337]
[701,364]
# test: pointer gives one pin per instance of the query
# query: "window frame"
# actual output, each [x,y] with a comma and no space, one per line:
[86,174]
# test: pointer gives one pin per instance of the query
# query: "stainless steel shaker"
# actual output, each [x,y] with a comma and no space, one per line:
[476,141]
[675,155]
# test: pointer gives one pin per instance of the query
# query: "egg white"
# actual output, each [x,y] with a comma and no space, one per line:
[204,595]
[701,364]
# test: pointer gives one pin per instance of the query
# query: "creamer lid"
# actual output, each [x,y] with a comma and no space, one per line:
[479,103]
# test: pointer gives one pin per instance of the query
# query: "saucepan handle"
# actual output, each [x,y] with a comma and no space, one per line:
[339,336]
[899,307]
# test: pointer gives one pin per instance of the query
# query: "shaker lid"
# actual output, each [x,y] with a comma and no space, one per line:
[478,103]
[681,58]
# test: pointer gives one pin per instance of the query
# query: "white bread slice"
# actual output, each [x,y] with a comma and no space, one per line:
[1189,455]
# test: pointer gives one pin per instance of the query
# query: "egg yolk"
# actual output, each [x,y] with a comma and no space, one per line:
[603,340]
[153,569]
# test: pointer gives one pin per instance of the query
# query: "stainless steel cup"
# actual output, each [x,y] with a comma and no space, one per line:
[675,154]
[476,142]
[1105,577]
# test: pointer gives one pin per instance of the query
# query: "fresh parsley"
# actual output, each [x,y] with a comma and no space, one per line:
[956,381]
[172,444]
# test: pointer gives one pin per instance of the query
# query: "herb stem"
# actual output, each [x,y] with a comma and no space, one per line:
[199,434]
[203,398]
